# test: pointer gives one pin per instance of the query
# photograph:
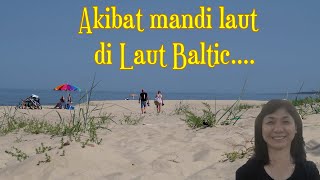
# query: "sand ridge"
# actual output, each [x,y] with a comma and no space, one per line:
[161,146]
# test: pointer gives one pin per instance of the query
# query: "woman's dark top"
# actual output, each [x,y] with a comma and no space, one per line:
[254,170]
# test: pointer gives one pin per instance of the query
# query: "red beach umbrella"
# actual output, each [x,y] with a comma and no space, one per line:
[66,87]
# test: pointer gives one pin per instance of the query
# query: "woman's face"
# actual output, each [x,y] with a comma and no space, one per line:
[278,129]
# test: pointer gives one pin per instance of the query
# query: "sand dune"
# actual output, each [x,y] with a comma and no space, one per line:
[161,146]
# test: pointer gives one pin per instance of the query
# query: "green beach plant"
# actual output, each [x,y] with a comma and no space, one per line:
[18,139]
[240,151]
[83,144]
[81,122]
[307,106]
[240,154]
[235,112]
[61,143]
[208,118]
[243,106]
[84,121]
[43,149]
[131,120]
[47,159]
[181,108]
[17,153]
[10,122]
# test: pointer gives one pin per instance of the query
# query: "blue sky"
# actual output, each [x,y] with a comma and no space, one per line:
[41,48]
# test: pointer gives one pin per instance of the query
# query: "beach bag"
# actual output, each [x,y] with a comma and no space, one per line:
[158,98]
[156,102]
[69,107]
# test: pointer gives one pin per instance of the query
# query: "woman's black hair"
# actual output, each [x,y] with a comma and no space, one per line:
[297,150]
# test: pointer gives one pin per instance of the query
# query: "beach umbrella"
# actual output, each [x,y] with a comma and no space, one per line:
[66,87]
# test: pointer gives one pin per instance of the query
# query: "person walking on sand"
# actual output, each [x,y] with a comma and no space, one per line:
[143,100]
[158,101]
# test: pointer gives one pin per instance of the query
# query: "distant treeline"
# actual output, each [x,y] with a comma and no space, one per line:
[307,92]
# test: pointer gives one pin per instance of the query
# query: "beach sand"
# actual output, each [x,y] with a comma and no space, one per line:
[160,147]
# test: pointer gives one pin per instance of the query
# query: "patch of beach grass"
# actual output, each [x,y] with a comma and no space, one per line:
[240,154]
[82,123]
[230,115]
[240,151]
[307,106]
[243,106]
[207,119]
[19,154]
[131,120]
[47,159]
[181,108]
[234,112]
[43,149]
[226,116]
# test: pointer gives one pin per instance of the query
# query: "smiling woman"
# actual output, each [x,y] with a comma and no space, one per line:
[279,146]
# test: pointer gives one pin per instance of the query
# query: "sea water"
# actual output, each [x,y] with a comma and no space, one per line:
[49,97]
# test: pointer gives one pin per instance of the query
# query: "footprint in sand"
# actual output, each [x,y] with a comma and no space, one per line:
[201,155]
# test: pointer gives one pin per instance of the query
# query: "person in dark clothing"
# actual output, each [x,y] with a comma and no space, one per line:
[255,170]
[61,103]
[69,101]
[279,151]
[144,100]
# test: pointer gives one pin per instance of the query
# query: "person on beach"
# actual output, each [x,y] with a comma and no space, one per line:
[279,151]
[69,101]
[158,101]
[144,100]
[61,103]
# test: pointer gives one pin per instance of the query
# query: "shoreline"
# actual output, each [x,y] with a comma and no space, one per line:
[171,100]
[51,98]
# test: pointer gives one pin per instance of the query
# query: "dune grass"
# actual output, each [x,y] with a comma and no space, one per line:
[81,124]
[240,150]
[207,119]
[307,106]
[19,154]
[181,108]
[43,149]
[131,120]
[46,160]
[239,154]
[210,118]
